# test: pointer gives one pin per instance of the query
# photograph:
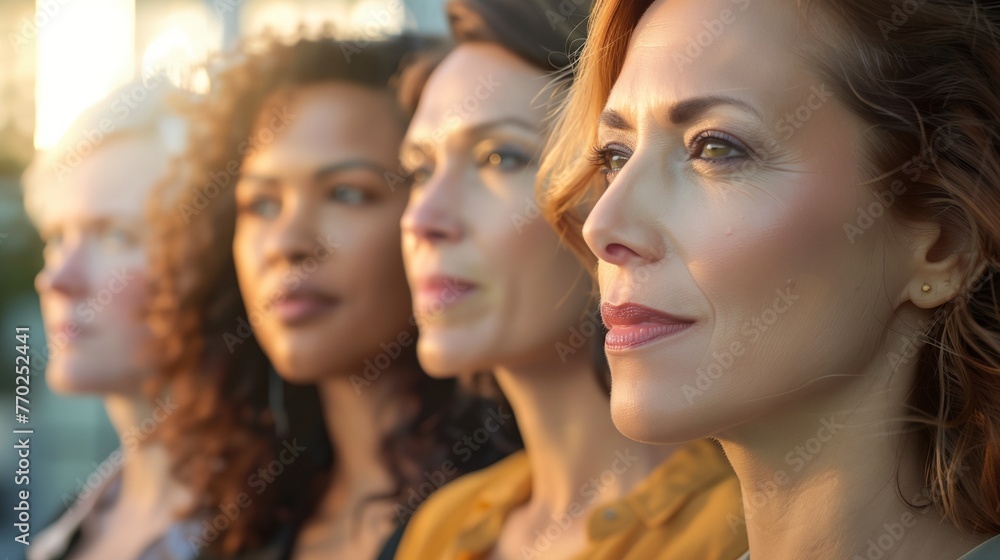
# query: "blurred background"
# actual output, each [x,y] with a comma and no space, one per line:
[57,57]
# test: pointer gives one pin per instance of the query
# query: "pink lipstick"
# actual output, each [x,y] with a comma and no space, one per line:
[631,325]
[441,291]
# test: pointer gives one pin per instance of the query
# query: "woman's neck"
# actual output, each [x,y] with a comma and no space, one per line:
[826,478]
[147,483]
[568,435]
[358,419]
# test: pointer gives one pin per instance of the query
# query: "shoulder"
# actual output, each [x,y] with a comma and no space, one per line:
[442,516]
[692,507]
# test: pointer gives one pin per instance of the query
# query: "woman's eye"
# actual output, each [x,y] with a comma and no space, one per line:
[117,238]
[420,175]
[709,147]
[348,195]
[614,161]
[262,207]
[506,160]
[609,160]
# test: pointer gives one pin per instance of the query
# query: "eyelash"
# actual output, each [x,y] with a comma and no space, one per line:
[698,143]
[599,156]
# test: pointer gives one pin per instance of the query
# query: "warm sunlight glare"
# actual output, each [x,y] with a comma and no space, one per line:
[85,50]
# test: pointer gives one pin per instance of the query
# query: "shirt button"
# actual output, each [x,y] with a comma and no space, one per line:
[610,514]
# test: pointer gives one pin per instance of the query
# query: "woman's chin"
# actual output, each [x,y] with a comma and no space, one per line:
[67,377]
[443,361]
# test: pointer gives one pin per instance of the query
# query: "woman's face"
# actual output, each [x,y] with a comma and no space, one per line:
[317,233]
[491,283]
[92,286]
[730,279]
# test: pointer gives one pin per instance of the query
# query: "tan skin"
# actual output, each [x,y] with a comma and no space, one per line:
[93,284]
[725,206]
[519,292]
[318,228]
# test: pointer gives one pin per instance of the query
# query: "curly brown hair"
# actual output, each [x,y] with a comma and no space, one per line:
[925,86]
[228,426]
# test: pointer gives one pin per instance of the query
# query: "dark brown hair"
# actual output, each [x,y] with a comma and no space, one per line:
[231,422]
[547,34]
[924,76]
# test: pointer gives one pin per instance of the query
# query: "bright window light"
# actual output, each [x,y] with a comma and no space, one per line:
[86,49]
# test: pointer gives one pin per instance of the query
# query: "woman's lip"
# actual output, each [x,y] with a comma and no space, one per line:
[630,325]
[296,310]
[441,291]
[69,331]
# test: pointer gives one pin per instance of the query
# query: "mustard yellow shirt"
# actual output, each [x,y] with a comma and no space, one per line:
[681,511]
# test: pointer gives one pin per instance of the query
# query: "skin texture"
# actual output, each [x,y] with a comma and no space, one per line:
[794,323]
[336,233]
[744,237]
[473,217]
[318,221]
[94,278]
[93,281]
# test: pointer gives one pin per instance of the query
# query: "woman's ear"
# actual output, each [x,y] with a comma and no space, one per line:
[940,265]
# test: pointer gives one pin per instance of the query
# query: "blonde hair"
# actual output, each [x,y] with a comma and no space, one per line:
[925,86]
[103,123]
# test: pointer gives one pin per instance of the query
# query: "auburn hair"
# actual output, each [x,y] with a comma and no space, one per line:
[924,76]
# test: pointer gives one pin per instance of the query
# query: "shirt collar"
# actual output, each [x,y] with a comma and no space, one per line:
[689,470]
[482,527]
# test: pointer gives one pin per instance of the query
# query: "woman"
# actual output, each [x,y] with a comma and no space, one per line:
[297,167]
[494,290]
[814,191]
[88,198]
